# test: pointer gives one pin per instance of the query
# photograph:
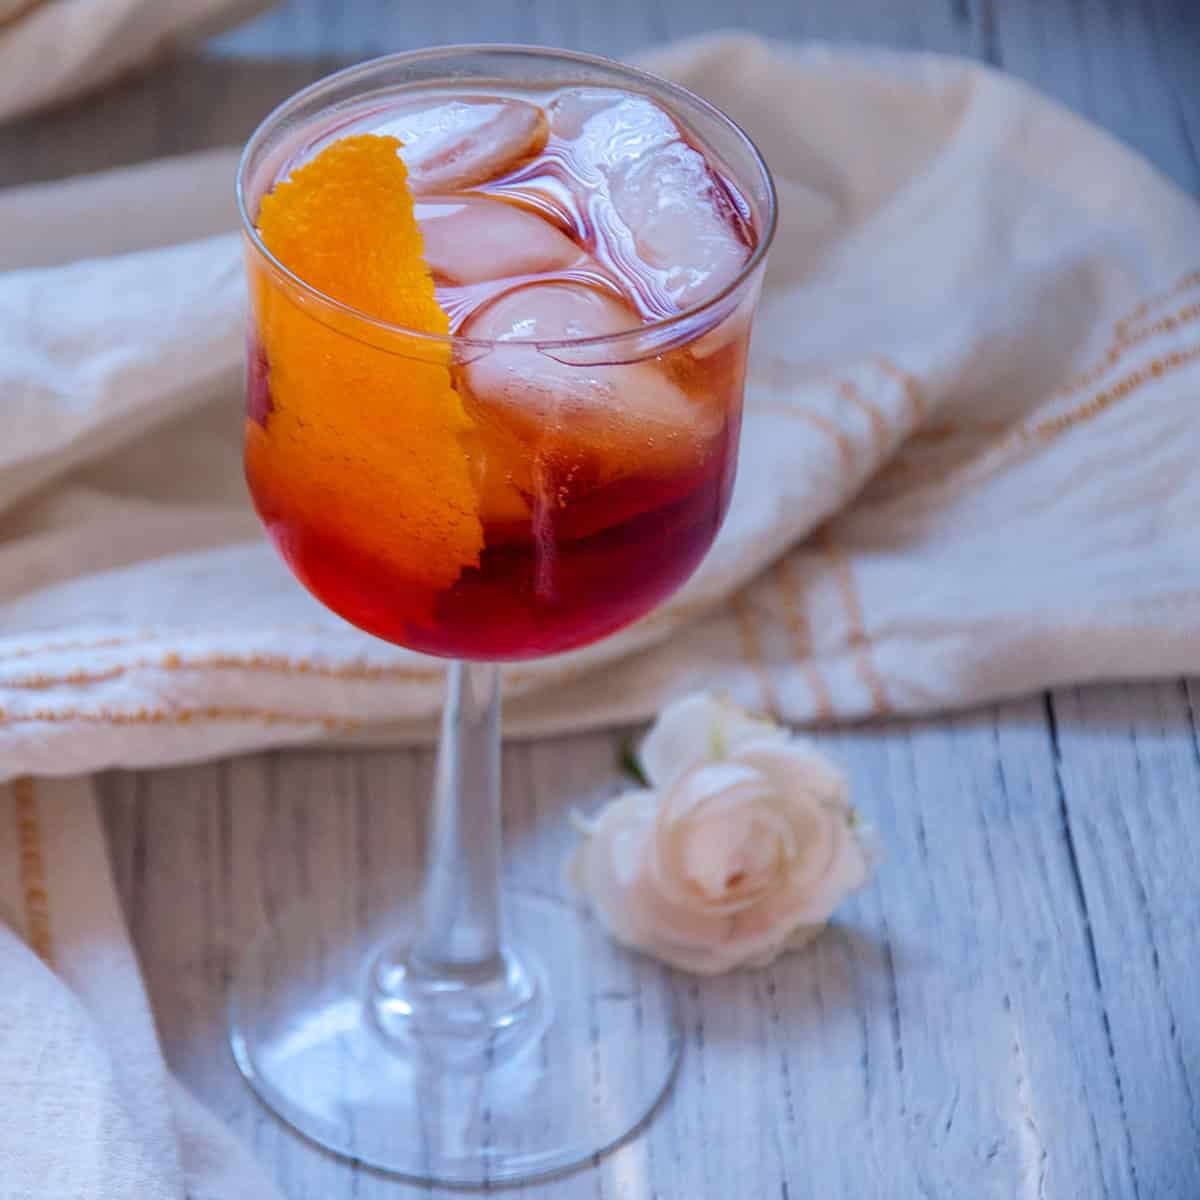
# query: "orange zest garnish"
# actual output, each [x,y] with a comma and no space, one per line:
[344,223]
[362,444]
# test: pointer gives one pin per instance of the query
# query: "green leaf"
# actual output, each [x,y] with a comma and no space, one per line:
[630,765]
[716,742]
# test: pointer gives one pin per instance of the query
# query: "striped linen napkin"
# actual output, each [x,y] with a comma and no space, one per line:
[966,468]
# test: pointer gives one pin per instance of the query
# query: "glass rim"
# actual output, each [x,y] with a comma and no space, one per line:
[651,328]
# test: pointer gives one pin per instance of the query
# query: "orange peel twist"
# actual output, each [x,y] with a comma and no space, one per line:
[360,443]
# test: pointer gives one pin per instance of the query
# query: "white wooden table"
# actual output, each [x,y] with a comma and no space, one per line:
[1009,1010]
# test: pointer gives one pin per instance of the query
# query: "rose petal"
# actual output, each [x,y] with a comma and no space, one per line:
[634,911]
[796,940]
[734,855]
[678,819]
[708,784]
[698,728]
[609,869]
[786,762]
[855,862]
[678,740]
[810,794]
[743,854]
[811,900]
[606,862]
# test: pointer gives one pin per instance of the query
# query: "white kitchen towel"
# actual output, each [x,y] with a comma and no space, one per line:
[55,50]
[90,1110]
[975,374]
[967,465]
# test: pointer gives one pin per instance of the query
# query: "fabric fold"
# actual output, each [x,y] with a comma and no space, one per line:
[963,473]
[55,50]
[79,1056]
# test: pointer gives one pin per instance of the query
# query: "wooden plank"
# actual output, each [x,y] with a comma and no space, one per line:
[1130,68]
[617,27]
[192,103]
[952,1026]
[1176,35]
[963,987]
[938,25]
[1128,766]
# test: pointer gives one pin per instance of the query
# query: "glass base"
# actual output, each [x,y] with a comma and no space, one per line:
[319,1030]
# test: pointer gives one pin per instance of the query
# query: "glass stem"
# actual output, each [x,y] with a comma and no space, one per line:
[460,912]
[455,989]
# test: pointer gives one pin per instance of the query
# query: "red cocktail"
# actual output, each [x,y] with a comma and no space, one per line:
[600,473]
[501,301]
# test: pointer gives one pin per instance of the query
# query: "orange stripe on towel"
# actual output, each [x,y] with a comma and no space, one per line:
[31,865]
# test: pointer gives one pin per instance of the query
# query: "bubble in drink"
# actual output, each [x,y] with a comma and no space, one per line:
[600,470]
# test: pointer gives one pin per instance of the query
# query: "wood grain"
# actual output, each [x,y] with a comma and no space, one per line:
[1007,1011]
[1007,1007]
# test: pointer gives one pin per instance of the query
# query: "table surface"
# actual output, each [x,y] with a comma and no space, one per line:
[1008,1010]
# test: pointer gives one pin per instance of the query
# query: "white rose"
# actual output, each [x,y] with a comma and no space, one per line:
[740,849]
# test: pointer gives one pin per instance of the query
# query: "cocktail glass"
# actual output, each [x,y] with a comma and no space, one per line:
[483,1037]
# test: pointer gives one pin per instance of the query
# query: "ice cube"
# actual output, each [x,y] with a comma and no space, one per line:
[572,108]
[458,143]
[659,211]
[681,221]
[470,239]
[591,423]
[549,312]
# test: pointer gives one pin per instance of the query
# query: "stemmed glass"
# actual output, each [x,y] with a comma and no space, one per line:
[483,1037]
